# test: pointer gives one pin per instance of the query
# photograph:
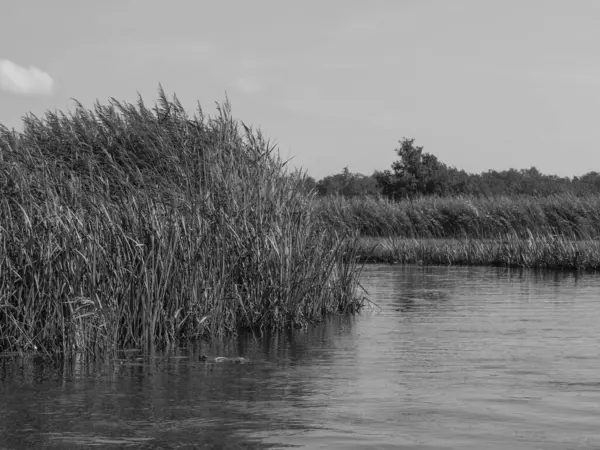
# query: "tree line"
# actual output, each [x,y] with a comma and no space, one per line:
[417,173]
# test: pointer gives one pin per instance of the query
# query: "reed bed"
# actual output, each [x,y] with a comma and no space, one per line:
[538,252]
[466,217]
[127,226]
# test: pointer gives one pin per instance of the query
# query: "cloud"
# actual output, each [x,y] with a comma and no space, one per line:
[248,85]
[24,81]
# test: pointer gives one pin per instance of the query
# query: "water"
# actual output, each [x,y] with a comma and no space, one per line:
[452,358]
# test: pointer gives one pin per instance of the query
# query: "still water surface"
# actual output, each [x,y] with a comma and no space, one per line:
[452,358]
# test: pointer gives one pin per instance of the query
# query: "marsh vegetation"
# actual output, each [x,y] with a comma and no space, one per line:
[426,212]
[472,217]
[556,232]
[128,226]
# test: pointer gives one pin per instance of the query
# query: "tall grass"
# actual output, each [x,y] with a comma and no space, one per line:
[128,226]
[536,252]
[466,217]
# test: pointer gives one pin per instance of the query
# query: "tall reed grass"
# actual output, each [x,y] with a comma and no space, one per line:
[536,252]
[128,226]
[466,217]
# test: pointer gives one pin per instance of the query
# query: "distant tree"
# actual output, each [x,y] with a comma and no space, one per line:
[592,178]
[415,173]
[460,182]
[363,185]
[347,184]
[308,184]
[331,185]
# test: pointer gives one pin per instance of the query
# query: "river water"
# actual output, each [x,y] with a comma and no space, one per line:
[450,358]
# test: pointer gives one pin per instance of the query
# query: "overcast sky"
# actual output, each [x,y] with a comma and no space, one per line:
[480,84]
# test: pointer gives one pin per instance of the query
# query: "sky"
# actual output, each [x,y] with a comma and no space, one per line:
[335,83]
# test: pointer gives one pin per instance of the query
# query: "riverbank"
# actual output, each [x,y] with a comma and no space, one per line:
[134,227]
[541,252]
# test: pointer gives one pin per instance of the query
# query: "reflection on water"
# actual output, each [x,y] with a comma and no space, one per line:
[449,358]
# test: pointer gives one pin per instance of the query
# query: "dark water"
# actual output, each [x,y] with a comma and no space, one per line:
[454,358]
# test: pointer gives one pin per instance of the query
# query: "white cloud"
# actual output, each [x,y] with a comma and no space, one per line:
[24,81]
[248,85]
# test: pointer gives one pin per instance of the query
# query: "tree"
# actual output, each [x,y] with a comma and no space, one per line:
[415,173]
[308,184]
[347,184]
